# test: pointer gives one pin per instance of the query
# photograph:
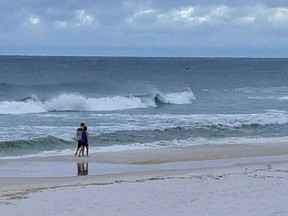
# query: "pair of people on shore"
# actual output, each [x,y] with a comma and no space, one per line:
[82,138]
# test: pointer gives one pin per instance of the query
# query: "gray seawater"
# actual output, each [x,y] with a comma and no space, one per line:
[134,103]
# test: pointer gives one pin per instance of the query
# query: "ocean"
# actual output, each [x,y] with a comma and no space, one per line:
[137,103]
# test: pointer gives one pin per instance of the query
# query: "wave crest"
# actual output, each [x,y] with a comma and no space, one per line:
[77,102]
[184,97]
[33,145]
[21,107]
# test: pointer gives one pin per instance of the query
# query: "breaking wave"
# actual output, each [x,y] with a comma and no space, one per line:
[129,140]
[184,97]
[77,102]
[30,146]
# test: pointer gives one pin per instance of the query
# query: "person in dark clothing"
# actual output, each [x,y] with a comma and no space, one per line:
[79,137]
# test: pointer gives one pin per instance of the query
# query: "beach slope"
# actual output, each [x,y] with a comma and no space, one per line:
[218,182]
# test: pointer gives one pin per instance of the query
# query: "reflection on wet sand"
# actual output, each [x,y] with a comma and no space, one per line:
[82,168]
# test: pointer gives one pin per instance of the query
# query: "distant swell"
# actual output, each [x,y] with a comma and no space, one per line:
[5,85]
[77,102]
[284,98]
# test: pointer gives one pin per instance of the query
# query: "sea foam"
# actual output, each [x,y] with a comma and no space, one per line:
[77,102]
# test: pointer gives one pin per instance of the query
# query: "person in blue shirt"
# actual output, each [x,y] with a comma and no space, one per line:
[84,142]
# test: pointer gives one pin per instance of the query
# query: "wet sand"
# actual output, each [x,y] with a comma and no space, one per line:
[165,155]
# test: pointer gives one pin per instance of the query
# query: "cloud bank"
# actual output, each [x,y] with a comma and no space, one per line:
[145,28]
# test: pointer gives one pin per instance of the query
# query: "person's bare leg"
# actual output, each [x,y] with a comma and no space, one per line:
[77,150]
[81,151]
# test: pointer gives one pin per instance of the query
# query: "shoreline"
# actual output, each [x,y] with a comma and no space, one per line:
[172,154]
[133,160]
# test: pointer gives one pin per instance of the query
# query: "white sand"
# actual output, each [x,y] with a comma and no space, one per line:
[240,186]
[252,190]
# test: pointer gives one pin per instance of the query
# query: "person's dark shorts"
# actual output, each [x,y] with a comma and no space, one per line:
[79,143]
[84,144]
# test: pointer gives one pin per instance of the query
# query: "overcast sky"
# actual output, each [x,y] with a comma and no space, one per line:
[193,28]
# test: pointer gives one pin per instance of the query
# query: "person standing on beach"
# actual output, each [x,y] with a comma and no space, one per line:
[84,142]
[79,137]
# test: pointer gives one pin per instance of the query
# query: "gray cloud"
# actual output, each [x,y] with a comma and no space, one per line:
[169,28]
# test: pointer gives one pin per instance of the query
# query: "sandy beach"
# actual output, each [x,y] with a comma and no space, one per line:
[199,180]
